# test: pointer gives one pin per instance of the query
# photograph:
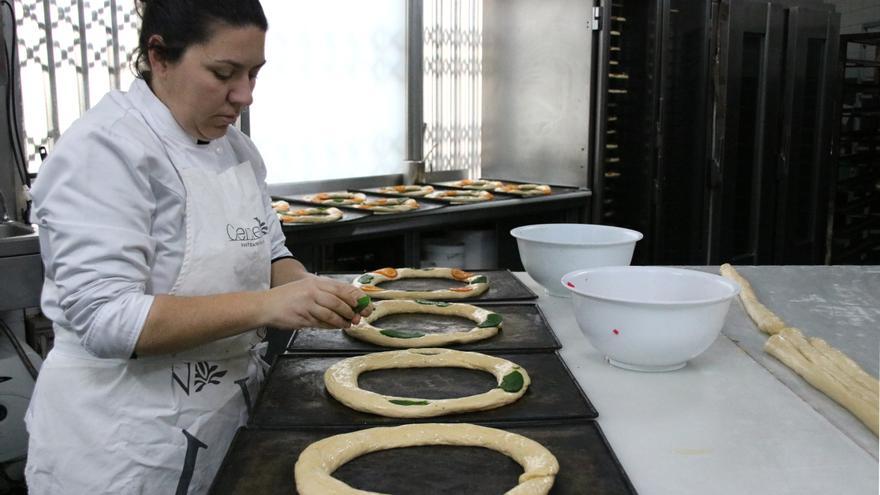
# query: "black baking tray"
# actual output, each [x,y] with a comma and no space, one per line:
[525,329]
[555,189]
[294,393]
[503,285]
[424,205]
[261,461]
[377,191]
[347,213]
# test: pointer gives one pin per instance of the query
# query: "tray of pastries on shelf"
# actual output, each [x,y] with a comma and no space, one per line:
[296,213]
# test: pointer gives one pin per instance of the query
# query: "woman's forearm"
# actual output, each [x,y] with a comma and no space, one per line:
[287,270]
[299,300]
[177,323]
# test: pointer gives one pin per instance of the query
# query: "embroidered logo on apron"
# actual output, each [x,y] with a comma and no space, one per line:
[205,374]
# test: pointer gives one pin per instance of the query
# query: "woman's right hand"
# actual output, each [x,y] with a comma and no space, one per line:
[313,302]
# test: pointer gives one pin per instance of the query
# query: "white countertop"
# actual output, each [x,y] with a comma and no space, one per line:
[723,424]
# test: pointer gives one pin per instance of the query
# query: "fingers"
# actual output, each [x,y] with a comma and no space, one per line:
[321,302]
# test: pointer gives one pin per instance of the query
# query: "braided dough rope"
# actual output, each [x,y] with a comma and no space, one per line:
[827,369]
[341,381]
[410,190]
[792,349]
[305,215]
[336,198]
[389,205]
[317,462]
[525,189]
[479,184]
[488,324]
[476,284]
[457,197]
[766,320]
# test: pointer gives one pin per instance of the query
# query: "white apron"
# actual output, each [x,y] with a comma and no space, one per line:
[160,425]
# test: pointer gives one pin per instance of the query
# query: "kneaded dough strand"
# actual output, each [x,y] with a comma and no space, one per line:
[823,364]
[827,369]
[766,320]
[849,366]
[785,351]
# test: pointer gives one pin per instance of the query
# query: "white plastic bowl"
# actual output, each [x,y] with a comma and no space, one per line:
[649,318]
[549,251]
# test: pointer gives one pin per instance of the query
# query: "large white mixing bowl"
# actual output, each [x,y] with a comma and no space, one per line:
[549,251]
[649,318]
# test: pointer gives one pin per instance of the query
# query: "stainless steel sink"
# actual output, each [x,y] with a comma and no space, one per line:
[14,229]
[17,239]
[21,270]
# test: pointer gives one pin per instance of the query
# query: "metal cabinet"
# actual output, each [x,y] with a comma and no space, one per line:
[772,146]
[713,128]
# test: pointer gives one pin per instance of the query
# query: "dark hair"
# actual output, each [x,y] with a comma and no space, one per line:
[183,23]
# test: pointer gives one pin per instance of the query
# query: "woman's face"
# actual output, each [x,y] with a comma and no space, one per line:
[212,82]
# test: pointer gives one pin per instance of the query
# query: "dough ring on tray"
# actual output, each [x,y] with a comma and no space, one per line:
[480,184]
[310,215]
[336,198]
[318,460]
[389,205]
[525,189]
[461,196]
[410,190]
[488,324]
[368,282]
[280,206]
[341,381]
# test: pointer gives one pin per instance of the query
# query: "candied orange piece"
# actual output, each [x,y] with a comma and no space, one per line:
[461,274]
[369,288]
[388,272]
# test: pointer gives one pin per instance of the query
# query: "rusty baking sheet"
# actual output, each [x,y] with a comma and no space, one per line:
[294,392]
[525,329]
[503,285]
[261,461]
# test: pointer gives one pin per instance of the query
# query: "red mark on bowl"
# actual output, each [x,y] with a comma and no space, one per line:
[570,284]
[615,331]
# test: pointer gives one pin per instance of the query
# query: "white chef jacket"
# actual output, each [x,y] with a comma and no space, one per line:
[110,206]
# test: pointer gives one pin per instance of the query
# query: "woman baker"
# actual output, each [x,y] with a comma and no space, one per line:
[164,262]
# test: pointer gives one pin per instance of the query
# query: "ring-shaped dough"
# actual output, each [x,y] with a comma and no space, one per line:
[407,190]
[368,282]
[488,324]
[310,215]
[318,460]
[389,205]
[341,381]
[479,184]
[336,198]
[456,197]
[525,189]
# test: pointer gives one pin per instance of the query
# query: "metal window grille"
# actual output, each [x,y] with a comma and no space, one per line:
[452,84]
[70,54]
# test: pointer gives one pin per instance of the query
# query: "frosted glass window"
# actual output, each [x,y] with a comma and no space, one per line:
[330,102]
